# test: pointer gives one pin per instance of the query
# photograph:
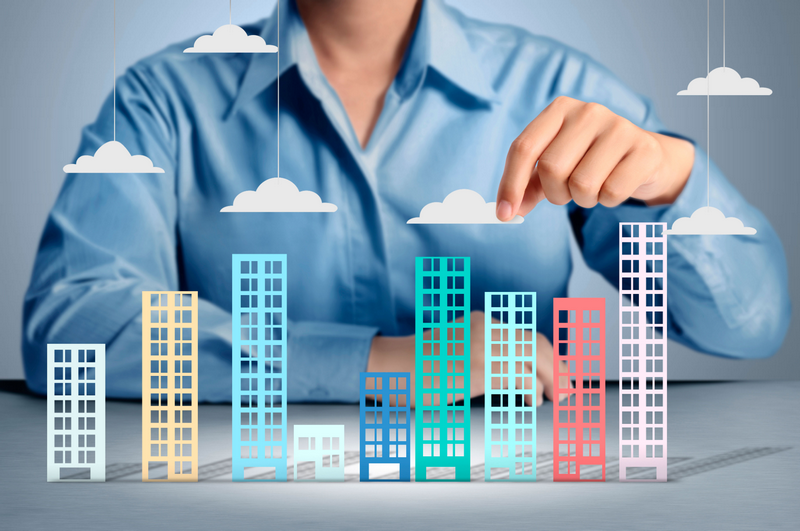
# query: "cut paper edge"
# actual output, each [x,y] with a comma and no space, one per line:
[278,195]
[725,81]
[231,38]
[112,157]
[461,207]
[710,221]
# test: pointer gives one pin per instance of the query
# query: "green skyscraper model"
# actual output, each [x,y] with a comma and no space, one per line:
[442,386]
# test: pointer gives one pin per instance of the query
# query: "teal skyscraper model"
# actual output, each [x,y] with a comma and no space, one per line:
[442,364]
[259,367]
[510,372]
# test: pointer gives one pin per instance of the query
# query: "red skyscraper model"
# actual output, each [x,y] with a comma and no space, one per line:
[579,421]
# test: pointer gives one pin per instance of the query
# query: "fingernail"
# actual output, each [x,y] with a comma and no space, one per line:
[504,209]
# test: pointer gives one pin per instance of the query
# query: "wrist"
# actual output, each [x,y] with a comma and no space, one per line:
[374,359]
[676,167]
[391,354]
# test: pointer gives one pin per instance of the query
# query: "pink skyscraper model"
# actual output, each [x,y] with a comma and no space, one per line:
[579,422]
[643,352]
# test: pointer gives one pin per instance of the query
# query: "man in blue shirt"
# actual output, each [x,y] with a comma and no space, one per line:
[385,107]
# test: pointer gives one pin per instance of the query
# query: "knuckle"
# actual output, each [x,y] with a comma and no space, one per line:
[585,202]
[648,144]
[586,198]
[611,195]
[558,198]
[653,146]
[521,146]
[582,184]
[592,110]
[562,101]
[622,127]
[550,167]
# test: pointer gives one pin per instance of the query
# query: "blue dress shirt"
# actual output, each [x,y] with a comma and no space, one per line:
[465,90]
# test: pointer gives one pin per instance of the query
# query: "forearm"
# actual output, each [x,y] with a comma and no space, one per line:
[742,278]
[728,295]
[74,311]
[393,354]
[325,360]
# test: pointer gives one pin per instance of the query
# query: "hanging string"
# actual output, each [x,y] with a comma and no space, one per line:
[115,70]
[723,33]
[279,89]
[708,102]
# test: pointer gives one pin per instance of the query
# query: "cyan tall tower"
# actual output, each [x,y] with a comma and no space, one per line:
[259,367]
[510,388]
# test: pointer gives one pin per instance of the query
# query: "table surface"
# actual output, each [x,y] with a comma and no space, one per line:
[734,464]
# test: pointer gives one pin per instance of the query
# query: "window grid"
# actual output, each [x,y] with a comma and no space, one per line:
[385,422]
[169,386]
[322,445]
[643,348]
[259,365]
[579,421]
[76,412]
[510,385]
[442,364]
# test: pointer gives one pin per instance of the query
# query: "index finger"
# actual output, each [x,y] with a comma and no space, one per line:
[522,156]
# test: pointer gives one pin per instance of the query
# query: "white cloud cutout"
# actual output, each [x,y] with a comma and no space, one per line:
[461,207]
[709,220]
[112,157]
[279,195]
[725,81]
[230,38]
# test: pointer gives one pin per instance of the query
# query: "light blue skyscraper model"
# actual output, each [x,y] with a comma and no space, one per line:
[76,412]
[259,367]
[510,372]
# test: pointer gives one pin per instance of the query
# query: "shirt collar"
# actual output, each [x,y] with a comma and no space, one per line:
[449,52]
[439,42]
[295,50]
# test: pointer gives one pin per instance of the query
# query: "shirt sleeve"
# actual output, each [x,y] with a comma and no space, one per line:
[325,360]
[728,295]
[111,236]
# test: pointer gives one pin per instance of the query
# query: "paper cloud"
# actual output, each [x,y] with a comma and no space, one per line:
[279,195]
[725,81]
[112,157]
[461,207]
[230,38]
[709,220]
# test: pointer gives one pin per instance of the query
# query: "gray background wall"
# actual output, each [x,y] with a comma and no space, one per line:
[56,70]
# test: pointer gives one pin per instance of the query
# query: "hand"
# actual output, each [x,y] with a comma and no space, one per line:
[396,354]
[585,153]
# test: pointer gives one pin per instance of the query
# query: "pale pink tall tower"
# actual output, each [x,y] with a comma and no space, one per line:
[643,352]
